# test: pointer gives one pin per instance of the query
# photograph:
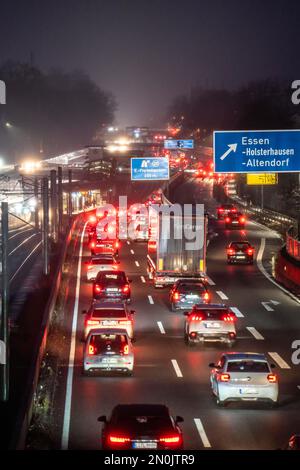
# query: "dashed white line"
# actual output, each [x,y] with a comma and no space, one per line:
[202,433]
[255,333]
[151,301]
[237,312]
[210,281]
[222,295]
[143,279]
[176,368]
[137,263]
[278,359]
[128,242]
[132,252]
[267,307]
[161,327]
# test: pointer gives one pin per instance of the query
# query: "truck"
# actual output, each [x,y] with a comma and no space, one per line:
[170,255]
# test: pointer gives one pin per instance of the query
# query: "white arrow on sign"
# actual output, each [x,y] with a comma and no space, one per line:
[231,148]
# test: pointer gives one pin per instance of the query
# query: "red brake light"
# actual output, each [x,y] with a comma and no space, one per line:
[221,209]
[197,317]
[126,289]
[228,317]
[97,288]
[126,350]
[176,296]
[91,350]
[93,244]
[227,219]
[118,439]
[92,219]
[272,378]
[230,251]
[117,245]
[242,220]
[170,439]
[206,296]
[233,209]
[250,251]
[224,377]
[92,322]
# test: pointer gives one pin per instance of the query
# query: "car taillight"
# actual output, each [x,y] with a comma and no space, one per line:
[170,439]
[126,350]
[93,244]
[125,322]
[230,251]
[126,289]
[92,219]
[224,377]
[272,378]
[221,209]
[205,296]
[242,220]
[250,251]
[176,296]
[97,288]
[92,322]
[91,350]
[233,210]
[117,244]
[227,219]
[197,317]
[118,439]
[228,317]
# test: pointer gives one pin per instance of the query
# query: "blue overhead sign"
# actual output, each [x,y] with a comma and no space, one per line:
[257,151]
[150,169]
[178,144]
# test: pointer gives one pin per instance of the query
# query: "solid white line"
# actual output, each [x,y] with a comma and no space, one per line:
[132,252]
[137,263]
[254,332]
[161,327]
[267,307]
[222,295]
[278,359]
[143,279]
[237,312]
[201,432]
[68,402]
[176,367]
[151,301]
[267,275]
[210,281]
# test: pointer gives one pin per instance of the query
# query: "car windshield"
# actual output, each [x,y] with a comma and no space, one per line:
[108,343]
[247,366]
[108,313]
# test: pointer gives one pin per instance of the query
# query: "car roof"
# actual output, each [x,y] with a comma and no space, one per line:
[211,307]
[232,356]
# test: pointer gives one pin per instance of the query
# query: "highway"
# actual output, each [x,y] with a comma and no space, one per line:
[166,370]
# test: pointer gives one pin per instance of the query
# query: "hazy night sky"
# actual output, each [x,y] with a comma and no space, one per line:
[146,52]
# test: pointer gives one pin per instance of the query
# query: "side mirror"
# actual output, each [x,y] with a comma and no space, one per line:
[272,366]
[179,419]
[186,314]
[102,419]
[132,312]
[84,311]
[212,364]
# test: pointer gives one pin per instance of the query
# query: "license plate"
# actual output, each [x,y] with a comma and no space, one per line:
[212,325]
[144,445]
[109,360]
[235,222]
[248,391]
[112,289]
[192,297]
[108,323]
[240,257]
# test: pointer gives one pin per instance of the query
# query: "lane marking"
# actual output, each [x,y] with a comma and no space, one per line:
[254,332]
[210,281]
[202,433]
[161,327]
[151,301]
[267,306]
[137,263]
[68,402]
[132,252]
[267,275]
[222,295]
[278,359]
[128,242]
[176,368]
[143,279]
[237,312]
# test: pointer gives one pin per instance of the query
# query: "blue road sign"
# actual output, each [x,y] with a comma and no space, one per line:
[150,169]
[178,144]
[257,151]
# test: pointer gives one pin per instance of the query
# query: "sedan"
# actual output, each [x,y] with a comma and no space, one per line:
[101,263]
[235,220]
[240,252]
[186,293]
[112,285]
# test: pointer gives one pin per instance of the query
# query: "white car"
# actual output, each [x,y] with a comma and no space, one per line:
[101,263]
[244,377]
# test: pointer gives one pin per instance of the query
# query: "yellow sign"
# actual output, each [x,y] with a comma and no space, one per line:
[262,178]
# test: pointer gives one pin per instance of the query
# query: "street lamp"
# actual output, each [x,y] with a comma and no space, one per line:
[8,125]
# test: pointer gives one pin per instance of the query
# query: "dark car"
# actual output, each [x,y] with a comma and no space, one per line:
[225,209]
[186,293]
[112,285]
[294,442]
[240,252]
[236,219]
[141,426]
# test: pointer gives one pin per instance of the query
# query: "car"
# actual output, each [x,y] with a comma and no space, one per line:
[186,293]
[91,226]
[112,285]
[240,252]
[225,209]
[108,314]
[100,246]
[213,323]
[243,377]
[236,219]
[108,350]
[141,426]
[106,262]
[293,443]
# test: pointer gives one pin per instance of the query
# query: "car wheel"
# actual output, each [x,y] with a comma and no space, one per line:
[219,402]
[128,373]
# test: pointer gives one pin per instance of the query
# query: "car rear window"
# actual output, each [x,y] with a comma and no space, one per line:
[102,261]
[213,314]
[110,278]
[108,313]
[108,343]
[240,246]
[247,366]
[197,288]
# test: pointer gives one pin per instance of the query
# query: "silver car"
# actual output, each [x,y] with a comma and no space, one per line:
[101,263]
[108,351]
[212,322]
[243,377]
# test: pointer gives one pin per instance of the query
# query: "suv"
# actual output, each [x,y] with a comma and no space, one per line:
[240,252]
[112,285]
[107,314]
[213,322]
[186,293]
[225,209]
[235,220]
[104,246]
[243,377]
[108,350]
[141,427]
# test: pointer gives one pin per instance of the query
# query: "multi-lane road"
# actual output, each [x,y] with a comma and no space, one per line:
[166,370]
